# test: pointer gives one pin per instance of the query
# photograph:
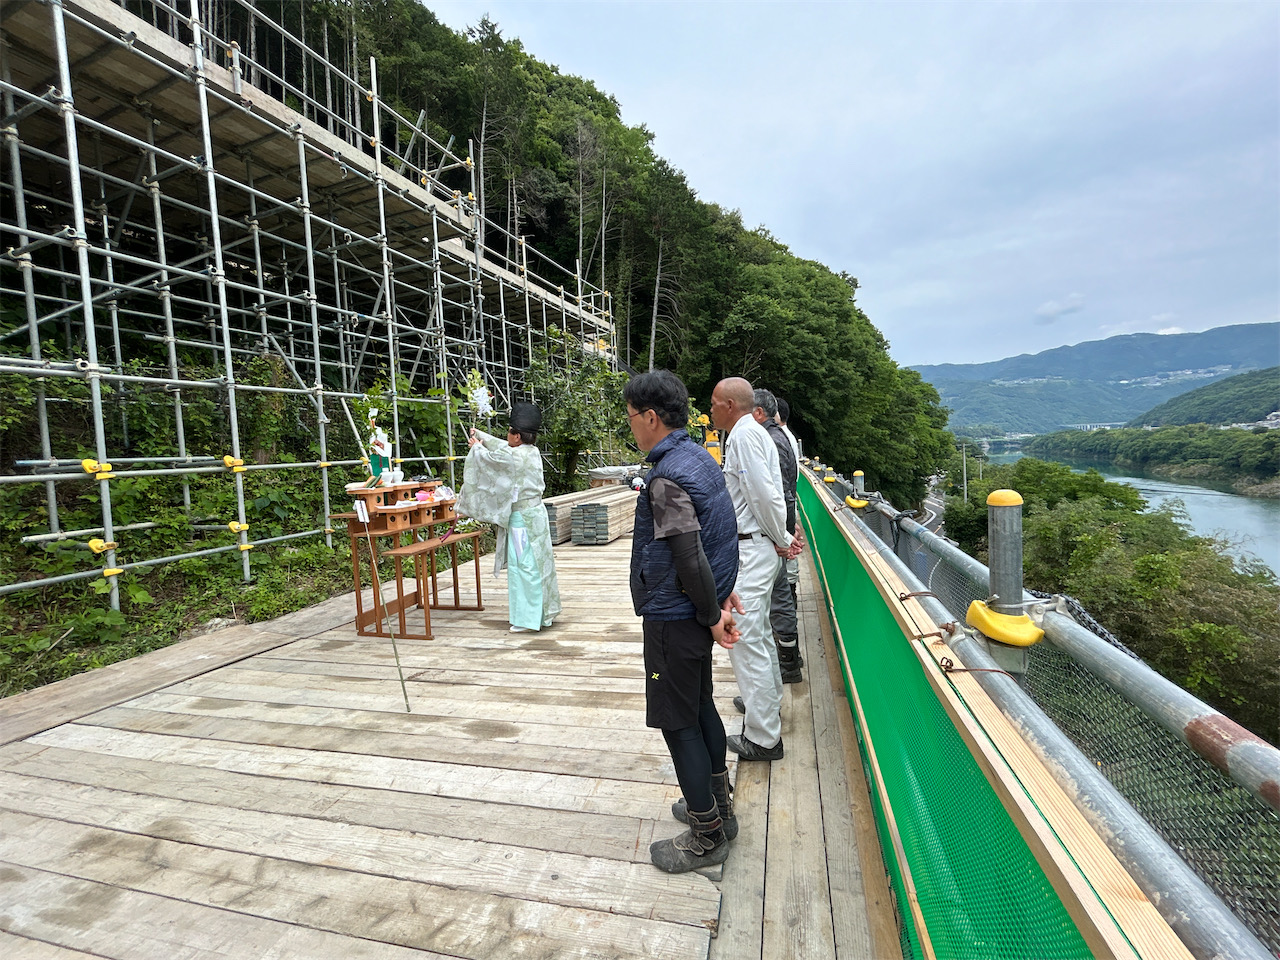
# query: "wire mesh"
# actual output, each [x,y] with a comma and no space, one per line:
[1226,835]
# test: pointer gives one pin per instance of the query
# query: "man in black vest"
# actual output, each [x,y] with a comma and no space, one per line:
[684,563]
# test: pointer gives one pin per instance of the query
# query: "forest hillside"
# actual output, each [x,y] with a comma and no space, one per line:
[1244,398]
[694,289]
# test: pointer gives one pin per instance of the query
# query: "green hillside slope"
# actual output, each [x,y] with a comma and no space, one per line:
[1244,398]
[1103,381]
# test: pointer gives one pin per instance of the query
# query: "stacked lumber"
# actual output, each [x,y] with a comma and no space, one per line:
[560,510]
[605,519]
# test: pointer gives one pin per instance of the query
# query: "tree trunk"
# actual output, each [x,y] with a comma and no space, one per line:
[657,287]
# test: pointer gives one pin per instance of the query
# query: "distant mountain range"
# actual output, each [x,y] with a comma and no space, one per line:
[1102,381]
[1244,398]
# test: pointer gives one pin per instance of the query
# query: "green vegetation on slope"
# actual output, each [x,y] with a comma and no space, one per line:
[1247,458]
[1244,398]
[693,289]
[1207,622]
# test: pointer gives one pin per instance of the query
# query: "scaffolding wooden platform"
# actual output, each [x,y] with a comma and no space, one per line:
[261,791]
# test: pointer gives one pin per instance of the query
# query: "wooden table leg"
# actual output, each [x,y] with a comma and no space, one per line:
[401,602]
[457,596]
[475,553]
[355,576]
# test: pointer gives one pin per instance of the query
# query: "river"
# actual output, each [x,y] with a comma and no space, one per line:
[1251,524]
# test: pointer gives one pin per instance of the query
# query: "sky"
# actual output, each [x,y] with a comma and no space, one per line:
[1002,178]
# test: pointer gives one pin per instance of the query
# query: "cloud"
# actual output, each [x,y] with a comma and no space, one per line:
[1166,330]
[1053,309]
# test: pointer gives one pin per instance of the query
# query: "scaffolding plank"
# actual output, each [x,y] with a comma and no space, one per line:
[106,920]
[558,791]
[478,866]
[797,917]
[26,713]
[600,835]
[408,913]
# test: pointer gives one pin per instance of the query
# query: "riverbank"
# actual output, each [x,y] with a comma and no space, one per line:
[1268,489]
[1244,461]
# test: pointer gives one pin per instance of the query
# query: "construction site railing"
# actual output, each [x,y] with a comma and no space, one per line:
[1185,797]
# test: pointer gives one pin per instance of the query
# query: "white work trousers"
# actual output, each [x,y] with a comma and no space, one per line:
[754,656]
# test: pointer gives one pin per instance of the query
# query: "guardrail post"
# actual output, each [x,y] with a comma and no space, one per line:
[1004,547]
[858,482]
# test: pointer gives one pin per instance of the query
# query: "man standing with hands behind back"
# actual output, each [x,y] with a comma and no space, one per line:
[684,562]
[754,481]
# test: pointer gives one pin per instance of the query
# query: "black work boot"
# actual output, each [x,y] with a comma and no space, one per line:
[722,792]
[704,844]
[789,660]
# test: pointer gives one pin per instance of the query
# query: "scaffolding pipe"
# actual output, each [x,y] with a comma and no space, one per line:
[67,109]
[28,283]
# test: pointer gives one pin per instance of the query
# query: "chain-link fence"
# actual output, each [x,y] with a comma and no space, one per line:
[1228,836]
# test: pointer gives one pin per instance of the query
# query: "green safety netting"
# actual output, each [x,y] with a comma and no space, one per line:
[982,895]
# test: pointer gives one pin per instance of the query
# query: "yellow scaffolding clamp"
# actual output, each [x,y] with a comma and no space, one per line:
[102,546]
[100,471]
[234,464]
[236,527]
[112,572]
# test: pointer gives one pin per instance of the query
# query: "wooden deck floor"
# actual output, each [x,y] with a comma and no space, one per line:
[261,792]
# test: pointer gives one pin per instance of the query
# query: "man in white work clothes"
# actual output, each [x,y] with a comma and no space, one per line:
[754,481]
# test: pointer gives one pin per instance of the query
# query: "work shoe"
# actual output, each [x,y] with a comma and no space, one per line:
[704,844]
[748,750]
[739,705]
[789,662]
[722,793]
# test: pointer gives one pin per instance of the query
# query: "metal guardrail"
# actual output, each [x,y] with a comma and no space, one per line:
[1185,797]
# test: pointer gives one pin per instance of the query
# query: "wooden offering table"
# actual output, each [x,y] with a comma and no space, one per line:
[394,512]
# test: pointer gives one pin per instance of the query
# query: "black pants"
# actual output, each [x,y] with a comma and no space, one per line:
[678,691]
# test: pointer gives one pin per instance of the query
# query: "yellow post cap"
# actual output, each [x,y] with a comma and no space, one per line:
[857,473]
[1004,498]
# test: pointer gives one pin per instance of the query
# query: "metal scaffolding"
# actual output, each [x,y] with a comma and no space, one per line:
[188,187]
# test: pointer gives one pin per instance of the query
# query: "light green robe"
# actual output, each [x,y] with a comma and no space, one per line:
[497,481]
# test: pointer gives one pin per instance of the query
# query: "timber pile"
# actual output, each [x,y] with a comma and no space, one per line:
[605,519]
[560,509]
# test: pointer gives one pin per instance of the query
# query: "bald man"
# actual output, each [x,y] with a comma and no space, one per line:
[752,476]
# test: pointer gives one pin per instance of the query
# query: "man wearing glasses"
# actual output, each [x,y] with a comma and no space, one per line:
[684,562]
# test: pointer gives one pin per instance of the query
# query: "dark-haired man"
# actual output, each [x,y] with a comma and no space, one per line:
[684,563]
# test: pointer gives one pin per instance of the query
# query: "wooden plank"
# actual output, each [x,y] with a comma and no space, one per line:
[34,710]
[104,920]
[410,914]
[639,740]
[851,923]
[593,883]
[603,835]
[384,695]
[742,890]
[558,791]
[23,948]
[452,679]
[576,761]
[797,910]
